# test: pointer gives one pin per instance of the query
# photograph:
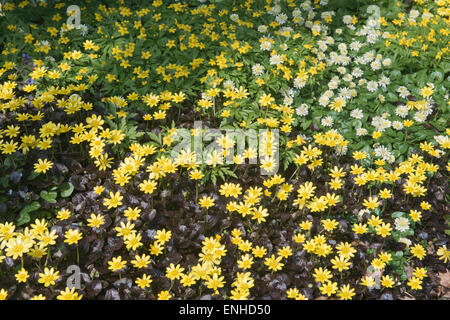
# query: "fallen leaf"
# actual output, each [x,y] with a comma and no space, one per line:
[444,279]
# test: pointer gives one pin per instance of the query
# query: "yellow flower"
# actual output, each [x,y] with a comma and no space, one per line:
[141,261]
[43,166]
[69,294]
[371,203]
[164,295]
[116,264]
[273,263]
[340,263]
[387,281]
[328,288]
[48,277]
[415,283]
[22,275]
[415,215]
[162,236]
[345,292]
[95,221]
[418,251]
[132,213]
[144,281]
[322,275]
[114,201]
[368,281]
[206,202]
[72,236]
[3,294]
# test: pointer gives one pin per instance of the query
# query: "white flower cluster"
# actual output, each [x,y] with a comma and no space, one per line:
[382,152]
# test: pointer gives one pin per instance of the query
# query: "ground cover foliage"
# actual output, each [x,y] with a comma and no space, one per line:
[353,96]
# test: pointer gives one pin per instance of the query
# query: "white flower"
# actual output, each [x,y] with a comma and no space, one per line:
[347,19]
[372,86]
[299,83]
[327,121]
[342,46]
[328,93]
[281,18]
[401,224]
[361,132]
[405,241]
[387,62]
[414,13]
[338,31]
[357,72]
[383,152]
[84,29]
[420,116]
[344,60]
[380,123]
[355,45]
[348,77]
[384,81]
[322,45]
[266,45]
[368,56]
[403,92]
[357,113]
[316,28]
[341,70]
[296,12]
[258,69]
[234,17]
[288,100]
[401,111]
[397,125]
[363,212]
[333,84]
[275,9]
[375,65]
[262,28]
[323,100]
[229,84]
[302,110]
[341,150]
[276,59]
[345,93]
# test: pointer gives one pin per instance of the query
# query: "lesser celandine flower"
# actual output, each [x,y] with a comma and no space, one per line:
[164,295]
[69,294]
[114,201]
[3,294]
[144,281]
[72,236]
[48,277]
[116,264]
[43,166]
[22,275]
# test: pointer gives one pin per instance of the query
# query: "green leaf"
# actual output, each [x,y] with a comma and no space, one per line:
[66,189]
[397,214]
[24,214]
[305,125]
[50,197]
